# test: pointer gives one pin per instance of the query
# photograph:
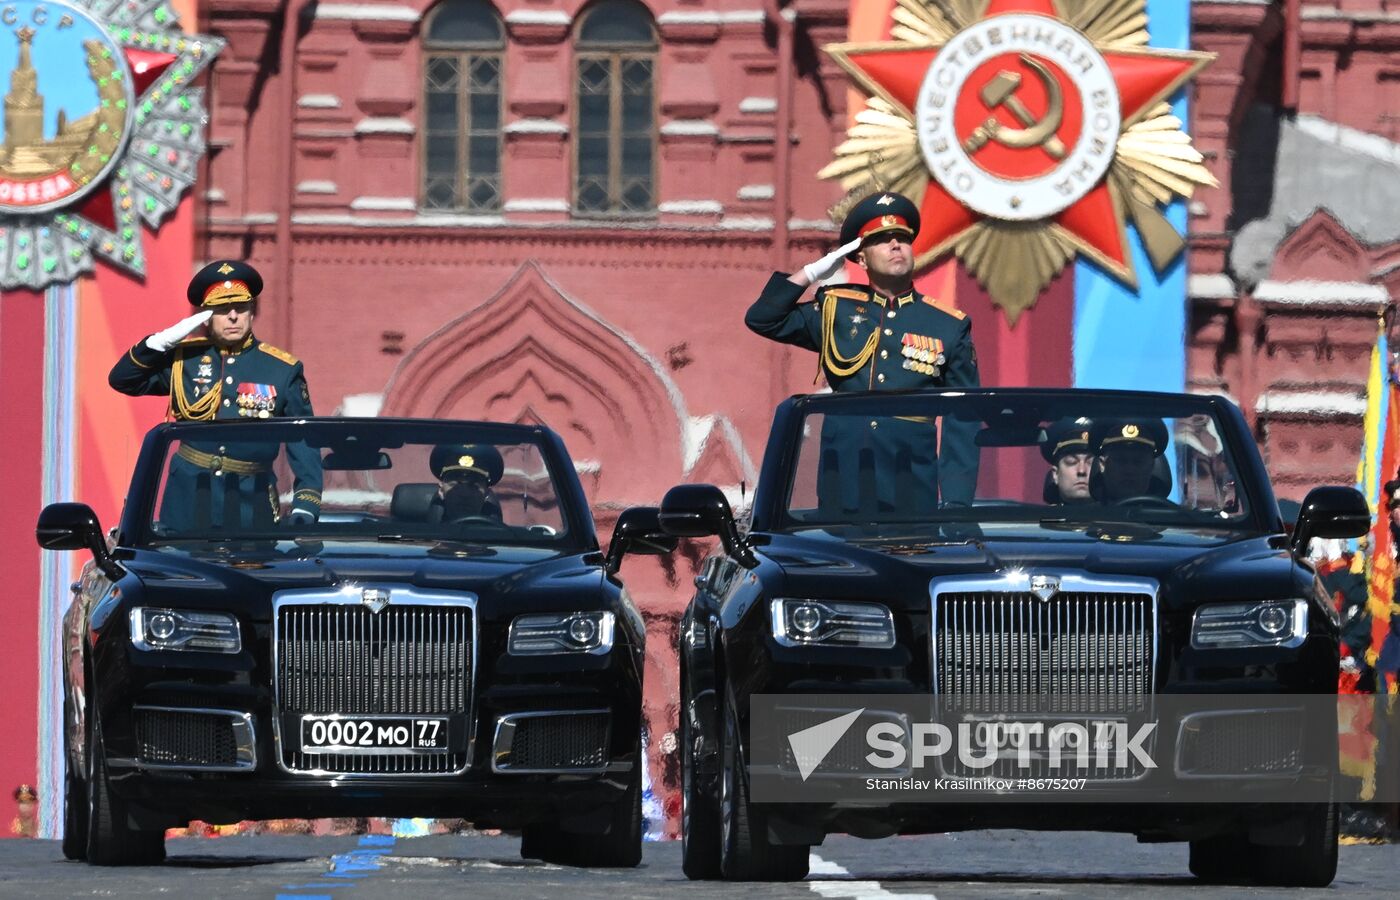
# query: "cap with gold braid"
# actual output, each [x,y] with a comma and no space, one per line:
[1065,436]
[1139,432]
[222,282]
[878,214]
[450,462]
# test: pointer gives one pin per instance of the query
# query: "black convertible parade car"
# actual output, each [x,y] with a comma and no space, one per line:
[446,640]
[1122,550]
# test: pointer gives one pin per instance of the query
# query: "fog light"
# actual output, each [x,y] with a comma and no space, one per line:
[806,619]
[1273,619]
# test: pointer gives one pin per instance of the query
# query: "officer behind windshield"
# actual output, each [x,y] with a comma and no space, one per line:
[1128,450]
[1066,449]
[465,474]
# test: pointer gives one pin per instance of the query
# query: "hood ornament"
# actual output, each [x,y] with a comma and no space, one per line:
[1045,587]
[374,599]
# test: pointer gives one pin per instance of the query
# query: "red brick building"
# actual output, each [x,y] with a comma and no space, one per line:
[558,211]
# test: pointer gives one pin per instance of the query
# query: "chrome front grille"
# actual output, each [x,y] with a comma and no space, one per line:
[1085,643]
[334,655]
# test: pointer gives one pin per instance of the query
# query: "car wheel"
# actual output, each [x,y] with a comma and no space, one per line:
[111,841]
[746,854]
[1311,864]
[75,803]
[619,847]
[700,831]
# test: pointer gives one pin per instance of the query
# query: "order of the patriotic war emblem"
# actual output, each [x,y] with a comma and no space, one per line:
[102,133]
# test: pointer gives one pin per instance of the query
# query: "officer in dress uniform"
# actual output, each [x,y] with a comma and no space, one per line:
[882,337]
[1128,450]
[224,372]
[1066,449]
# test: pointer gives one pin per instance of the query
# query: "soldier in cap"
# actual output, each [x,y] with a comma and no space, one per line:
[212,367]
[1066,449]
[1128,450]
[880,337]
[465,474]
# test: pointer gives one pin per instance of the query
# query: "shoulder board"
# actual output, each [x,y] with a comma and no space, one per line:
[848,293]
[955,313]
[277,353]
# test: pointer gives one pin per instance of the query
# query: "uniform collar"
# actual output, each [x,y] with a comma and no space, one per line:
[249,341]
[900,301]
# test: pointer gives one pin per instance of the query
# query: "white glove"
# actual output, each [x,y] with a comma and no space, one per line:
[162,341]
[829,265]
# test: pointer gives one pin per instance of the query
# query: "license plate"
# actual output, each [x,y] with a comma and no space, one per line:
[359,734]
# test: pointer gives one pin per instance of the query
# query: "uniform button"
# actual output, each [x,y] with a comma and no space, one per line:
[884,354]
[225,403]
[223,450]
[232,360]
[888,332]
[874,424]
[880,378]
[891,314]
[228,380]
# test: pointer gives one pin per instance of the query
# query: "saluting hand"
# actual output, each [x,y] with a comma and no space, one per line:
[829,265]
[162,341]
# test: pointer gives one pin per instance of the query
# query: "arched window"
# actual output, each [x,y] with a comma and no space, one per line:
[462,52]
[615,134]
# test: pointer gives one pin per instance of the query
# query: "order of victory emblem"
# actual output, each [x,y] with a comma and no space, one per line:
[102,132]
[1028,131]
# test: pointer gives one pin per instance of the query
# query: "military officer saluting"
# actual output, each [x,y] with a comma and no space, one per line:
[224,372]
[885,336]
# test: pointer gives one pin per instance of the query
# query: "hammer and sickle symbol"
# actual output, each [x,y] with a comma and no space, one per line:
[1001,91]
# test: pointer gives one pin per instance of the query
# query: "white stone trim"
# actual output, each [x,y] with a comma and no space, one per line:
[756,192]
[316,187]
[214,195]
[690,127]
[691,207]
[1348,15]
[268,218]
[538,17]
[536,125]
[812,225]
[698,432]
[1310,403]
[746,223]
[1358,294]
[729,17]
[535,204]
[1345,138]
[385,204]
[1211,287]
[384,125]
[318,101]
[439,220]
[372,11]
[758,105]
[361,405]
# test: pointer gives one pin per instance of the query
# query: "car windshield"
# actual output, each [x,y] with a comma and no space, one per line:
[1034,465]
[355,480]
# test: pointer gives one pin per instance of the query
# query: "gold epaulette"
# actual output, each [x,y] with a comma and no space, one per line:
[278,353]
[847,294]
[955,313]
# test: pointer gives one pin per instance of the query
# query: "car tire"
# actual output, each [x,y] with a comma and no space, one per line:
[111,841]
[619,847]
[1311,864]
[746,853]
[700,825]
[1217,860]
[75,801]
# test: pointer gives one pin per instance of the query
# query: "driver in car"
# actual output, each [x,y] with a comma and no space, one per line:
[1128,450]
[465,474]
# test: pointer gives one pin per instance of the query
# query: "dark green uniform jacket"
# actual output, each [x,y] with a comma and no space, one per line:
[868,343]
[211,485]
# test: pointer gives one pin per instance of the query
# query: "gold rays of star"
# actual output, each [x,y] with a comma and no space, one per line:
[1155,161]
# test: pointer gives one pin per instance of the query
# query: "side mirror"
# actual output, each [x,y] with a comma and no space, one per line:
[638,531]
[700,510]
[74,526]
[1331,512]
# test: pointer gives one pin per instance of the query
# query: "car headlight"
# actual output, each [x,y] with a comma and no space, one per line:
[1263,623]
[576,632]
[183,629]
[801,623]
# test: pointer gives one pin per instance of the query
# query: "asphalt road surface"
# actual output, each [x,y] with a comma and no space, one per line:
[976,864]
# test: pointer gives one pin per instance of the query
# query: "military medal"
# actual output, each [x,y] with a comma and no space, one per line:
[922,354]
[256,401]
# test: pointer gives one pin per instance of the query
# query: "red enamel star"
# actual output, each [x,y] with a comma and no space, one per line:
[1095,222]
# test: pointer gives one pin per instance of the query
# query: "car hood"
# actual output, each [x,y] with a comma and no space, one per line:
[253,577]
[1248,567]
